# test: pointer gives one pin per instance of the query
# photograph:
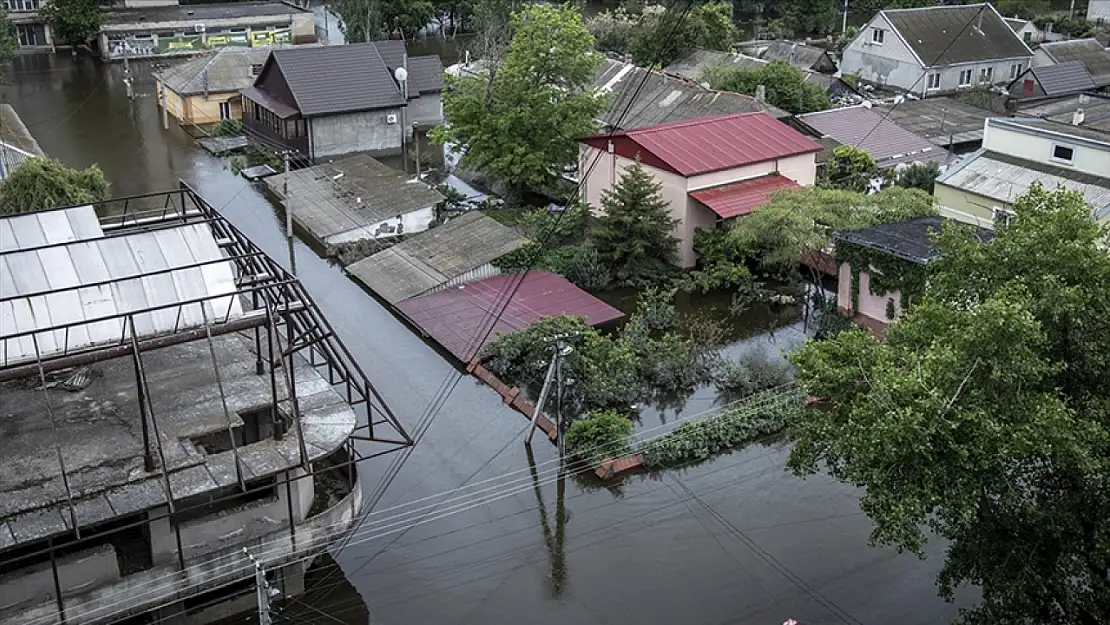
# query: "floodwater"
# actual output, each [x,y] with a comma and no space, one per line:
[647,552]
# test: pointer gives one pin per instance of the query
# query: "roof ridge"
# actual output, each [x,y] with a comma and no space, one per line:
[935,7]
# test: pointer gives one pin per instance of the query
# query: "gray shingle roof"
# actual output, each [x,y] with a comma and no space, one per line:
[664,99]
[797,54]
[1061,79]
[691,65]
[434,258]
[1089,52]
[888,143]
[1095,107]
[425,74]
[943,35]
[227,70]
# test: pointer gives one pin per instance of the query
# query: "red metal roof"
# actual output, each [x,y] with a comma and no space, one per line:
[740,198]
[701,146]
[458,314]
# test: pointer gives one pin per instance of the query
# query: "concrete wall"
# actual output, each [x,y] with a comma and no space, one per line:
[871,306]
[414,221]
[970,208]
[301,25]
[174,103]
[1037,146]
[368,131]
[85,569]
[1041,58]
[427,110]
[1098,10]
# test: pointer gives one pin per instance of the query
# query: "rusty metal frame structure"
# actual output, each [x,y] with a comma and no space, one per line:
[279,316]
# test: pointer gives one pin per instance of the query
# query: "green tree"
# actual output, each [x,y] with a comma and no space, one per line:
[74,22]
[521,122]
[1025,9]
[643,31]
[601,435]
[634,236]
[41,183]
[985,416]
[850,168]
[919,176]
[372,20]
[784,84]
[8,43]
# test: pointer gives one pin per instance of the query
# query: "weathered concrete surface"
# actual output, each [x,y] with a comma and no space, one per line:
[367,131]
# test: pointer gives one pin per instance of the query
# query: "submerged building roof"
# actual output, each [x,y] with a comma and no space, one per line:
[227,70]
[701,146]
[85,282]
[910,240]
[454,316]
[436,257]
[800,55]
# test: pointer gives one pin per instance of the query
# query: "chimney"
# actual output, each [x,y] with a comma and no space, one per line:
[760,93]
[1078,117]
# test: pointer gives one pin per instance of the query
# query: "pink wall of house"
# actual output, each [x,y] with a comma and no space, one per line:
[691,214]
[872,306]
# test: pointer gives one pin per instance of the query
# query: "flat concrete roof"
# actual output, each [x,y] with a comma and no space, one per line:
[99,432]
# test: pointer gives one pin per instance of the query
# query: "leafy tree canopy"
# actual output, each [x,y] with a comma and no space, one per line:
[850,168]
[8,42]
[41,183]
[919,176]
[784,84]
[521,123]
[634,237]
[797,221]
[642,31]
[985,416]
[74,22]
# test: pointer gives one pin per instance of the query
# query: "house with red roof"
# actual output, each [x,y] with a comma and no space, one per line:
[711,169]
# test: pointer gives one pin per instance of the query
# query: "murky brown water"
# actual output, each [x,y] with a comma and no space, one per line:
[643,554]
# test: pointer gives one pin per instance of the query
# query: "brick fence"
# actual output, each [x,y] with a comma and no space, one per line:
[512,396]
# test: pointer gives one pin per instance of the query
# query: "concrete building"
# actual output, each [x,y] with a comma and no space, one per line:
[936,50]
[1098,10]
[31,32]
[147,29]
[710,169]
[1017,152]
[172,397]
[335,100]
[1094,57]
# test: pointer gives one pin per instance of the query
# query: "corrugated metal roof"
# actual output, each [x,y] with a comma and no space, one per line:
[91,276]
[1005,178]
[338,79]
[1062,78]
[943,35]
[1089,52]
[740,198]
[1096,110]
[1050,125]
[456,316]
[700,146]
[433,258]
[887,142]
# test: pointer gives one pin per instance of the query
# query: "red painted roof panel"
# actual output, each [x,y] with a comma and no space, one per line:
[700,146]
[741,198]
[458,314]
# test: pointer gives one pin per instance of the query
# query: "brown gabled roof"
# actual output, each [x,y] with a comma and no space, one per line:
[944,35]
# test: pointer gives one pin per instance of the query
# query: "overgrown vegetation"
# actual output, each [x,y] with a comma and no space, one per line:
[254,155]
[350,252]
[74,22]
[597,436]
[42,183]
[227,128]
[755,372]
[742,423]
[639,31]
[8,43]
[634,237]
[784,84]
[919,176]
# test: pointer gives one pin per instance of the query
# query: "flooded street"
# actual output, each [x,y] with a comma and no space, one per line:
[645,553]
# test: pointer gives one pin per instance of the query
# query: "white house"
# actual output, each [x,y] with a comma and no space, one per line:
[1026,29]
[1089,52]
[1098,10]
[936,50]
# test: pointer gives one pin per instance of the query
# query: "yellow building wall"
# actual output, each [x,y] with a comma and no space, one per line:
[174,104]
[207,111]
[966,207]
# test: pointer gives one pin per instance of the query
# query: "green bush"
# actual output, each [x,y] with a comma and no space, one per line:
[227,128]
[735,425]
[755,372]
[601,435]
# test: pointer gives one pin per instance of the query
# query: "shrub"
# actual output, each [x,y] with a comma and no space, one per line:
[350,252]
[227,128]
[755,372]
[601,435]
[735,425]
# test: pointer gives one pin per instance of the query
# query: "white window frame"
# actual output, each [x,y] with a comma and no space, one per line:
[1015,70]
[986,74]
[1002,216]
[1058,159]
[878,36]
[225,110]
[932,81]
[970,75]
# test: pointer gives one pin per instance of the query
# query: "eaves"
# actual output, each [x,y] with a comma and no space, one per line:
[1049,134]
[981,61]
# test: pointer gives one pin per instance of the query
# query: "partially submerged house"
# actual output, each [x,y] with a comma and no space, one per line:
[1017,152]
[861,126]
[1052,81]
[335,100]
[804,57]
[1092,54]
[936,50]
[459,251]
[910,241]
[205,90]
[172,399]
[355,197]
[711,169]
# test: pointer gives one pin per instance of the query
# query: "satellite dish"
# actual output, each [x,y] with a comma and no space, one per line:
[401,74]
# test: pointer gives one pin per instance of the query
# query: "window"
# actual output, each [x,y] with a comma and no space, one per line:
[932,81]
[256,69]
[1027,36]
[1015,70]
[986,74]
[1063,153]
[965,78]
[878,35]
[225,110]
[21,5]
[31,34]
[1003,216]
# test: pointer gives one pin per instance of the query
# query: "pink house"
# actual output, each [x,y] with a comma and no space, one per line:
[711,169]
